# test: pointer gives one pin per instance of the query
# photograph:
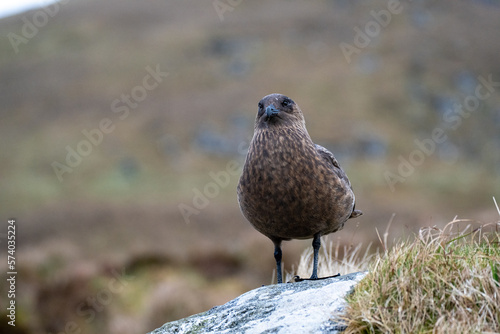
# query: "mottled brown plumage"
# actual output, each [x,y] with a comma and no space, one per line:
[292,188]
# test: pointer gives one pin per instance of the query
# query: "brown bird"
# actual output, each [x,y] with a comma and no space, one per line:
[290,187]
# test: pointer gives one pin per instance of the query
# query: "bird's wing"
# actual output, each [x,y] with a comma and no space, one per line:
[330,159]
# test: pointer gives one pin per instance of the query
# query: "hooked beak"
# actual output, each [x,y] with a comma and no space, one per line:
[271,111]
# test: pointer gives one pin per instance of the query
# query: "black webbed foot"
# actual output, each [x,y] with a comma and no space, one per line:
[297,278]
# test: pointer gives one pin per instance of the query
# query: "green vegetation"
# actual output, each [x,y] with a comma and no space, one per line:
[441,282]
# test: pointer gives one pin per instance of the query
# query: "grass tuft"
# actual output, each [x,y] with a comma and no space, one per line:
[444,281]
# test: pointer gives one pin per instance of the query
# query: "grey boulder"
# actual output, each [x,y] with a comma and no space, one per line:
[302,307]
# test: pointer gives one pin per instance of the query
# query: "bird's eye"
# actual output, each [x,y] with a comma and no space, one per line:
[286,102]
[261,109]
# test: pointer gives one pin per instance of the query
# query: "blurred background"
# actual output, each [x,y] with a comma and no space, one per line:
[124,127]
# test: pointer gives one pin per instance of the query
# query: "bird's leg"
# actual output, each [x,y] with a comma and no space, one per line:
[316,245]
[277,257]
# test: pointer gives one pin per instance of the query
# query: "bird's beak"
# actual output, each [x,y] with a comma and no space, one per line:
[271,111]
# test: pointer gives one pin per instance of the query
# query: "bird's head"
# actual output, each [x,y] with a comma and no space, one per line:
[278,110]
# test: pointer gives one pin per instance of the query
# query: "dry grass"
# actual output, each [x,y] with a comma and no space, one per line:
[331,262]
[444,281]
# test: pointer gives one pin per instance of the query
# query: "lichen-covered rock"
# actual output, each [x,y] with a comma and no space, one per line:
[303,307]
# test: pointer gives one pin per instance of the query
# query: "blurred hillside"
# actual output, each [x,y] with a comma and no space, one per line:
[156,100]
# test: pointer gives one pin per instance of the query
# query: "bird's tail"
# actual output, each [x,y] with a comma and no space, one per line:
[355,213]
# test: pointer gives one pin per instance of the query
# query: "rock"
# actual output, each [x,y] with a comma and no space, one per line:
[303,307]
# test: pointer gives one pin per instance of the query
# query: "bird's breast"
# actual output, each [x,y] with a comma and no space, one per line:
[286,157]
[285,169]
[286,186]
